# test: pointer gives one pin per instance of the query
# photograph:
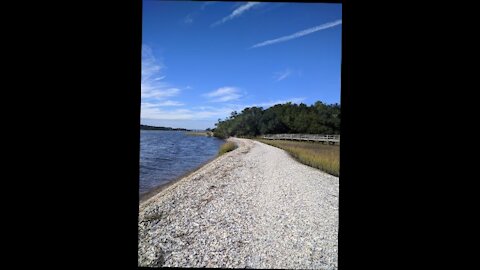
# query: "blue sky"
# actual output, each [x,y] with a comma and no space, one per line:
[203,60]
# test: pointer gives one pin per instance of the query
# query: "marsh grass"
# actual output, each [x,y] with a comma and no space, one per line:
[199,133]
[226,147]
[314,154]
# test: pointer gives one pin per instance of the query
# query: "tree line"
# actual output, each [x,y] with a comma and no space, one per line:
[319,118]
[146,127]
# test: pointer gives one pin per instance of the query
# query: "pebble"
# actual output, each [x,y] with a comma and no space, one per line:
[254,207]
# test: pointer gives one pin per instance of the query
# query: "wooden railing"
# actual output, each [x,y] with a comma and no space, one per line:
[304,137]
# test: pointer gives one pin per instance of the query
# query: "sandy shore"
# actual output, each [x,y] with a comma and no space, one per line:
[254,207]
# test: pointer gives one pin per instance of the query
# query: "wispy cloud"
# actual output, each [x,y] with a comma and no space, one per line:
[154,90]
[161,114]
[149,105]
[199,116]
[282,75]
[237,12]
[170,103]
[150,67]
[206,4]
[157,113]
[154,111]
[298,34]
[224,94]
[188,19]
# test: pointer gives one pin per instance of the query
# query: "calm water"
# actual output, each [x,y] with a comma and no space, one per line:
[166,155]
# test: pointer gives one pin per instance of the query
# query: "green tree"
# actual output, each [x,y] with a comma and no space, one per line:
[319,118]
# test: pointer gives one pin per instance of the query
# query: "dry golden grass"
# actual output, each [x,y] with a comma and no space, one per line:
[314,154]
[200,133]
[226,147]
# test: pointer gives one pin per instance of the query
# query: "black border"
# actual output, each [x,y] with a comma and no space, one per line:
[95,161]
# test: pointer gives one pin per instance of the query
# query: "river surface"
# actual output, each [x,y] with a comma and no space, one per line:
[167,155]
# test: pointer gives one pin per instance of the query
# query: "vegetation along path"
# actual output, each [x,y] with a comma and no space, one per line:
[254,207]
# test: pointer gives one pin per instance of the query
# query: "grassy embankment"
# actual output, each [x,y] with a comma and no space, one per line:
[199,133]
[314,154]
[226,147]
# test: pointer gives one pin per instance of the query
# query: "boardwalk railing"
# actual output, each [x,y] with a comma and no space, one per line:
[304,137]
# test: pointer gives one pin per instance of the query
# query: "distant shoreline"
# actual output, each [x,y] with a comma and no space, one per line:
[147,127]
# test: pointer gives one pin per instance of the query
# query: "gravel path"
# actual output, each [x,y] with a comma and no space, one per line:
[254,207]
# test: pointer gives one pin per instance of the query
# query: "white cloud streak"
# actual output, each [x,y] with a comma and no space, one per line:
[237,12]
[157,113]
[199,116]
[161,114]
[298,34]
[152,92]
[170,103]
[154,111]
[155,92]
[153,84]
[282,75]
[224,94]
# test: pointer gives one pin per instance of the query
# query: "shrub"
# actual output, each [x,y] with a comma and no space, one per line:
[226,147]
